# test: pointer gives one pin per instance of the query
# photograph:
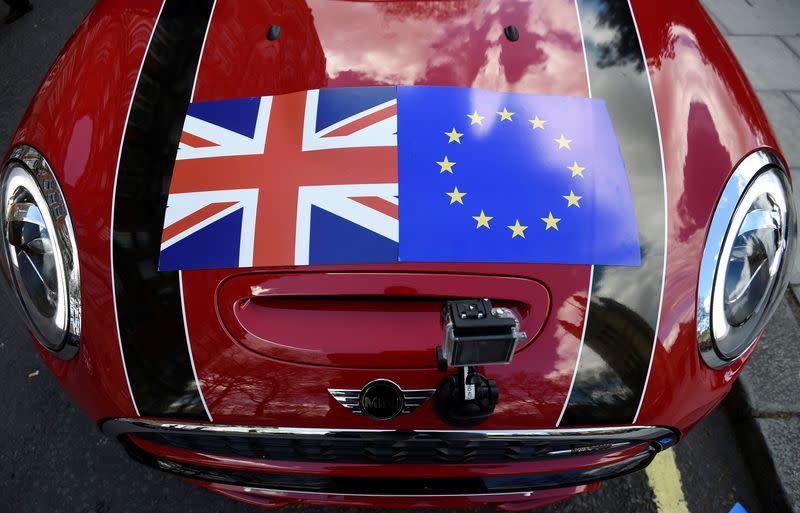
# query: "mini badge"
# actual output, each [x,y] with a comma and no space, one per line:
[381,399]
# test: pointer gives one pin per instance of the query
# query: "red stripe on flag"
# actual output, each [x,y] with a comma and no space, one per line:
[193,219]
[364,122]
[381,205]
[196,142]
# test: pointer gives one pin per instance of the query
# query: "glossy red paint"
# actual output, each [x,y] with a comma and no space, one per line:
[345,44]
[79,134]
[710,120]
[241,387]
[268,314]
[509,502]
[709,117]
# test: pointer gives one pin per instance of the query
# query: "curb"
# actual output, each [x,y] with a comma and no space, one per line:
[766,423]
[772,492]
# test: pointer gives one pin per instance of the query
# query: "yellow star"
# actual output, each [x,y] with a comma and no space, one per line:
[446,165]
[537,123]
[563,142]
[518,229]
[454,136]
[506,115]
[572,199]
[552,222]
[576,169]
[475,118]
[456,196]
[483,220]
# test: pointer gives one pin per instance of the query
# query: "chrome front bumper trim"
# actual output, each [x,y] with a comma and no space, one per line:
[652,434]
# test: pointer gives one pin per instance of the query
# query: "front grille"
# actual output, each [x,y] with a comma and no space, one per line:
[396,487]
[387,447]
[397,447]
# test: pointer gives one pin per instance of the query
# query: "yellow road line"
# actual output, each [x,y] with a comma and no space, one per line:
[665,481]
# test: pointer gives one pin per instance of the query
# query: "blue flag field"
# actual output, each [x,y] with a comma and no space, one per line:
[503,177]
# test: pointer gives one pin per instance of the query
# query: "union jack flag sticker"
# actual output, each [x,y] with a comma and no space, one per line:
[298,179]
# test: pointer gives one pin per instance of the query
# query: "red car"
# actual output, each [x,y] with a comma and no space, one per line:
[433,384]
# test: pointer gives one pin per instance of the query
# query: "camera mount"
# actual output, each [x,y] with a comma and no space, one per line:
[476,334]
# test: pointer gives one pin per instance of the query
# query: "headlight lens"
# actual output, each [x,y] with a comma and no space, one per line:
[746,259]
[40,253]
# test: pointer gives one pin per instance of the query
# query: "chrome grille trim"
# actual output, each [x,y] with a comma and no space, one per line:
[122,426]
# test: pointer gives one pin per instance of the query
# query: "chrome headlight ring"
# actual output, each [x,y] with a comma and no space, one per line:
[746,259]
[39,251]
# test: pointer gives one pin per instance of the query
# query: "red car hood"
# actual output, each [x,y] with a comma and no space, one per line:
[262,346]
[339,324]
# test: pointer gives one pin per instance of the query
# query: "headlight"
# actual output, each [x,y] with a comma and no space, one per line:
[746,260]
[40,253]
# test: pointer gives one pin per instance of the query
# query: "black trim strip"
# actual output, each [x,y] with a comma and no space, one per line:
[625,301]
[148,302]
[409,487]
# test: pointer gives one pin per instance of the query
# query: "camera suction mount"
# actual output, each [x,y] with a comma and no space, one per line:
[475,334]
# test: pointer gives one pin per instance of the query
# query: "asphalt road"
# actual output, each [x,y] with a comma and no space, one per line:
[53,459]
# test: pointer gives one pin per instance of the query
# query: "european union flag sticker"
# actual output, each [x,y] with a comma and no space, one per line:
[505,177]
